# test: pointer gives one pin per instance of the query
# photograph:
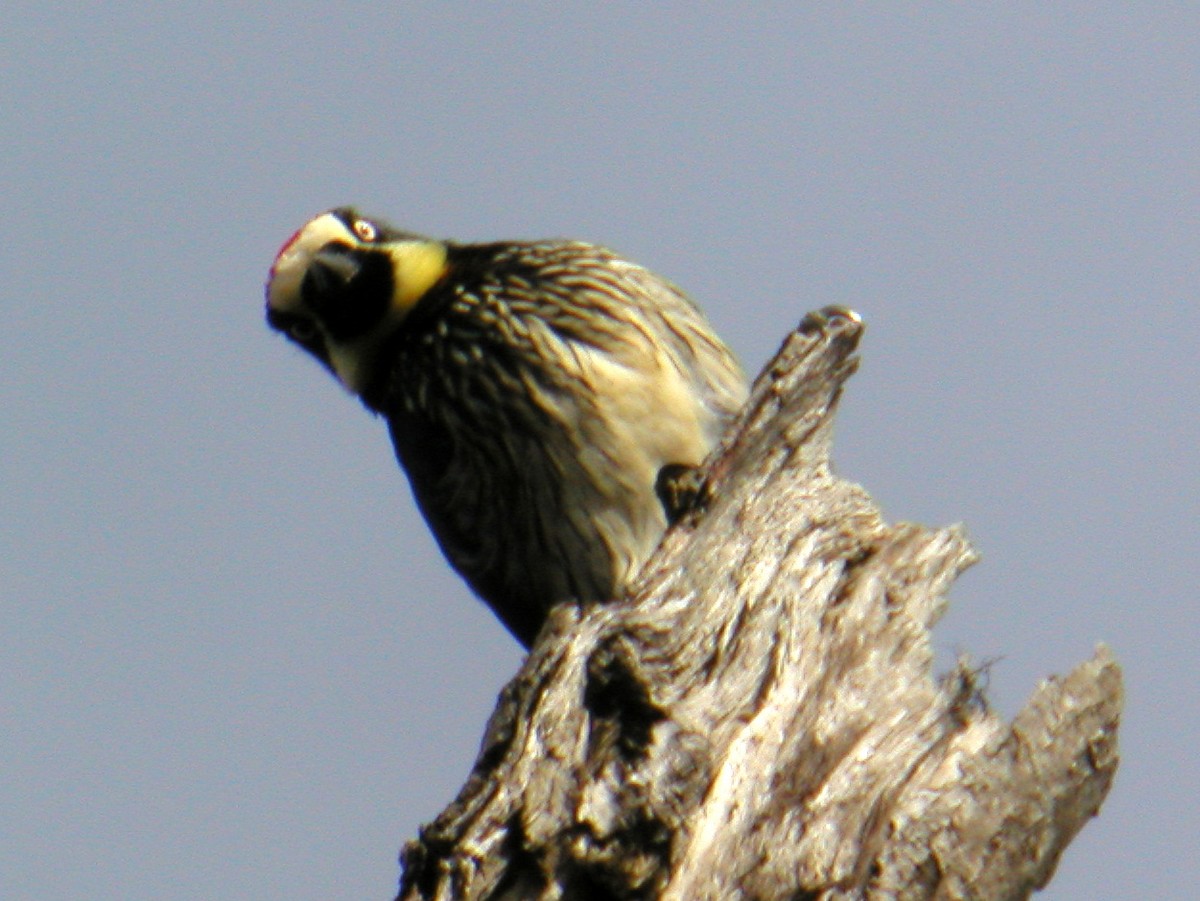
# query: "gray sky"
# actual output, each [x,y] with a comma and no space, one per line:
[232,662]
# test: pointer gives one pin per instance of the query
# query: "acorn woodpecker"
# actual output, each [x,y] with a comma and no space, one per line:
[534,392]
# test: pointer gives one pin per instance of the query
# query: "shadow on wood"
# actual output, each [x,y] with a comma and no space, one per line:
[757,718]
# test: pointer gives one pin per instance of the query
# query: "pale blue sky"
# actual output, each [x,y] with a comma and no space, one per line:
[232,663]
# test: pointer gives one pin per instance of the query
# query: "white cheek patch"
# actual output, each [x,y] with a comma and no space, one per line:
[350,365]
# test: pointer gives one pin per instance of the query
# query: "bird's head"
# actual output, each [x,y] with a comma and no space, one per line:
[343,284]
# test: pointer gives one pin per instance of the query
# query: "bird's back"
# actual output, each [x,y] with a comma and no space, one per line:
[533,408]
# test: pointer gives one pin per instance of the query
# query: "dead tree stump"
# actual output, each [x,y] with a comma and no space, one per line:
[757,718]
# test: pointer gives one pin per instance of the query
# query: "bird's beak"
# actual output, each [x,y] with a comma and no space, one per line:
[331,269]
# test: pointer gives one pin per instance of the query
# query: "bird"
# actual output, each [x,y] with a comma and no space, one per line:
[536,394]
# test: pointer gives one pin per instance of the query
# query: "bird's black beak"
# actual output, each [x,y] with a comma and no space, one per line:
[329,274]
[346,289]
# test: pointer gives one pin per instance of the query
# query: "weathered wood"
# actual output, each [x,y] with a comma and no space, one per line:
[757,719]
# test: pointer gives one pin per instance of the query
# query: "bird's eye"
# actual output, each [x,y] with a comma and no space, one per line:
[302,331]
[365,230]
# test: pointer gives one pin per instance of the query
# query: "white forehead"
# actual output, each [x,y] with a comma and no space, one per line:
[287,272]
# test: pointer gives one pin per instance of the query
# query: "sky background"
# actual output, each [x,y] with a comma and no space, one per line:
[232,662]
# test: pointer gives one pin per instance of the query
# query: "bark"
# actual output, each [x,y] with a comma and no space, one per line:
[757,719]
